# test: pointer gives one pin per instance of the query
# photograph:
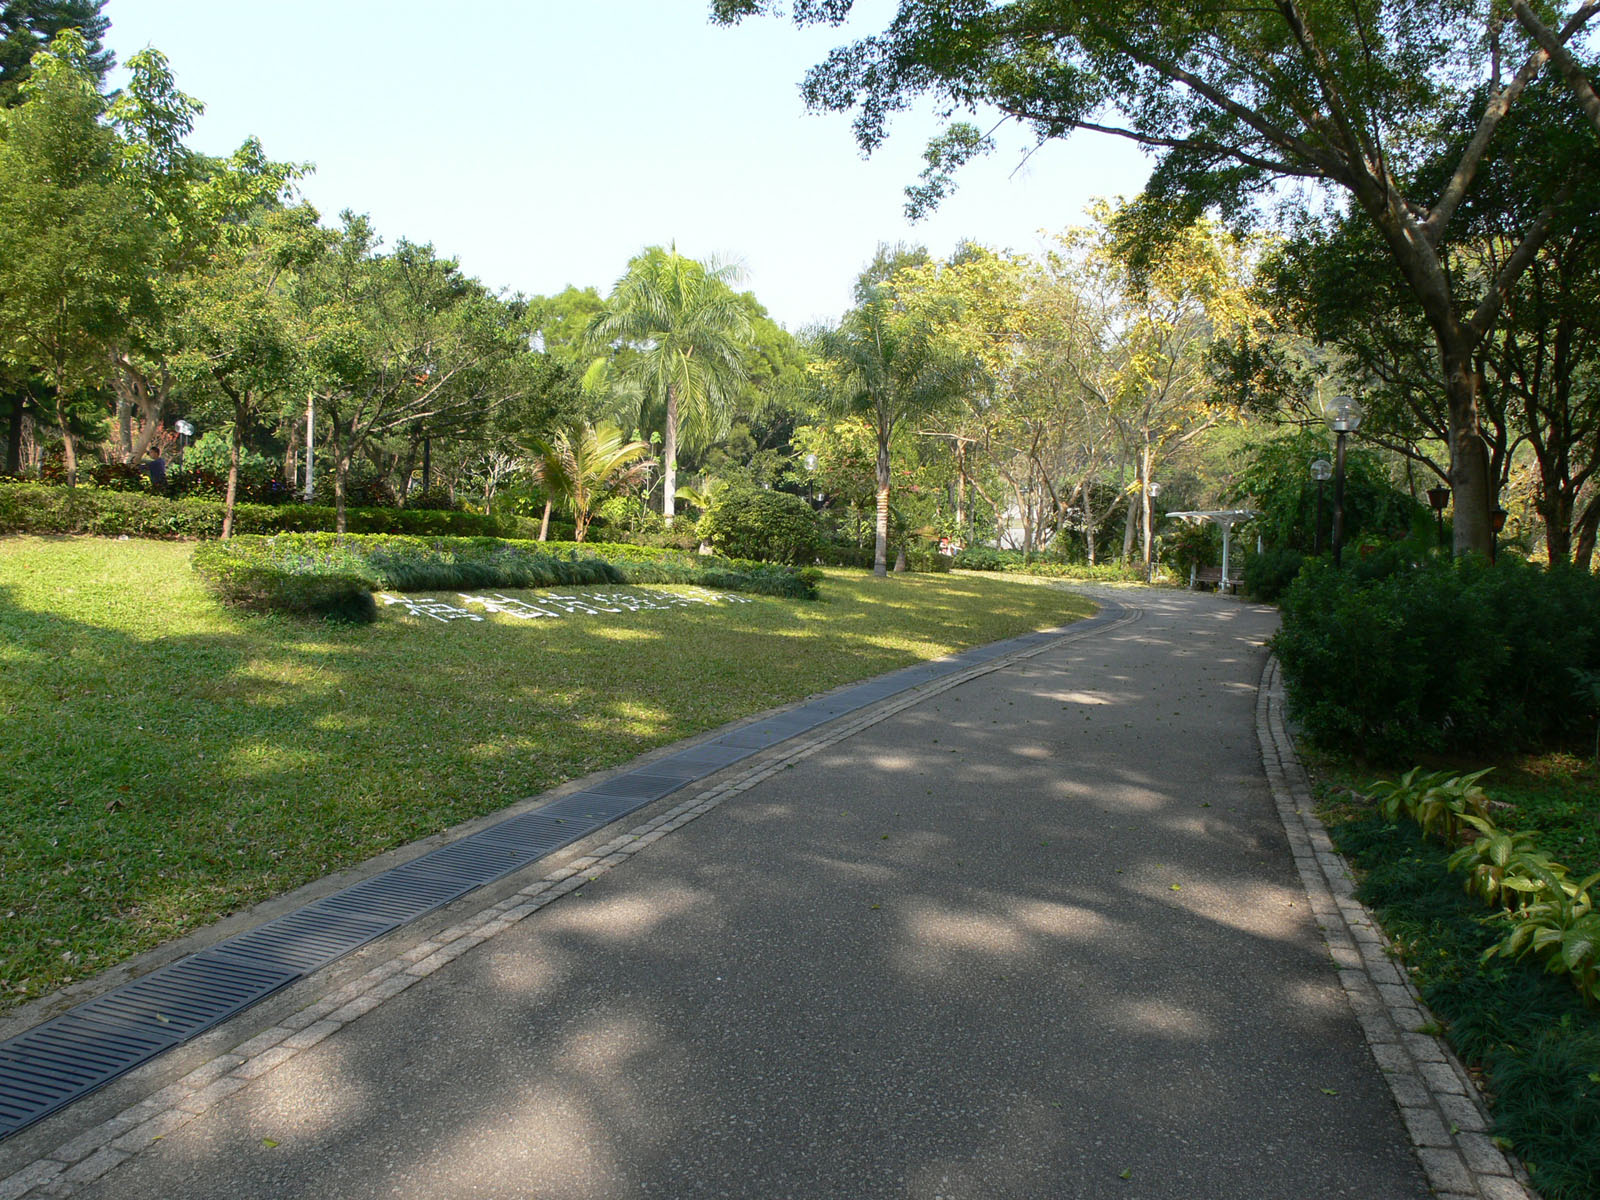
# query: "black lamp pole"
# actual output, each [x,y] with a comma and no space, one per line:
[1321,470]
[1344,416]
[1338,500]
[1438,497]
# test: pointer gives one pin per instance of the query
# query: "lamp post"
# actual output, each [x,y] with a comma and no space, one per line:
[1497,522]
[185,432]
[1438,497]
[1344,415]
[1321,471]
[1150,493]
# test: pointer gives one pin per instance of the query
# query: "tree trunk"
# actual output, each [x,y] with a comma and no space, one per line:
[669,459]
[1584,530]
[14,434]
[880,548]
[1130,526]
[1555,509]
[961,487]
[125,429]
[544,523]
[69,450]
[1469,457]
[1145,514]
[234,443]
[289,427]
[341,475]
[311,437]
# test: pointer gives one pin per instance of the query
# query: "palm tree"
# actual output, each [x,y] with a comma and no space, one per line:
[688,331]
[581,464]
[887,362]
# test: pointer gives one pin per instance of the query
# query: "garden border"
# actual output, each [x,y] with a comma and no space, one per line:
[1441,1108]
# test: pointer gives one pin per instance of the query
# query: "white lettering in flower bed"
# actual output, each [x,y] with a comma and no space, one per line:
[437,609]
[553,604]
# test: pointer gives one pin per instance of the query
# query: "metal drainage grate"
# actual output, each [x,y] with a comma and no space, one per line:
[63,1059]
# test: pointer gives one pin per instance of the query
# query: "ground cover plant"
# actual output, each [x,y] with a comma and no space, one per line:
[169,760]
[1519,1023]
[335,575]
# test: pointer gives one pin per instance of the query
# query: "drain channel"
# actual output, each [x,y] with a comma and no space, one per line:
[65,1058]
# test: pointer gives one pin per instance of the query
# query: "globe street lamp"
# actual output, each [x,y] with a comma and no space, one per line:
[185,432]
[1438,497]
[1344,415]
[1150,493]
[1321,471]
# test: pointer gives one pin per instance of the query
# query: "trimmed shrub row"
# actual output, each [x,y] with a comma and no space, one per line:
[986,558]
[1438,656]
[108,512]
[335,574]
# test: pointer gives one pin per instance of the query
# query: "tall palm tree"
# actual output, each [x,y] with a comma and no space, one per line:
[888,362]
[581,464]
[688,331]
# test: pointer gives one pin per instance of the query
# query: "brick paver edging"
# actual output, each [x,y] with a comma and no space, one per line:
[92,1153]
[1441,1108]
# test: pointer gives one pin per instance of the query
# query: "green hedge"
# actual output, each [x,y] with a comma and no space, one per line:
[754,523]
[321,573]
[1268,575]
[251,573]
[1438,656]
[987,558]
[46,509]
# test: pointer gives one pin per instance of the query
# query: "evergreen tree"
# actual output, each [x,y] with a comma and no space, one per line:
[28,26]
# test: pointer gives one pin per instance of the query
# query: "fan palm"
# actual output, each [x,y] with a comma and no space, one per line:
[580,465]
[688,331]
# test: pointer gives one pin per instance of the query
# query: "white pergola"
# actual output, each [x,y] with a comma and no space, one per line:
[1225,517]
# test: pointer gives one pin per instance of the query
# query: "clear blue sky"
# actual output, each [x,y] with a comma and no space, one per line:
[544,142]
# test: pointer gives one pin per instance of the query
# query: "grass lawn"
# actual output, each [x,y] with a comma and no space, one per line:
[167,761]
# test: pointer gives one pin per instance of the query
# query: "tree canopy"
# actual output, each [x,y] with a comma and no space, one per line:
[1360,97]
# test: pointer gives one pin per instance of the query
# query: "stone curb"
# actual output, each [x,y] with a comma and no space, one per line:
[1443,1113]
[93,1153]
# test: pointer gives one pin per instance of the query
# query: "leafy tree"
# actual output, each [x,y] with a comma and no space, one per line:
[1533,365]
[581,464]
[689,332]
[1274,478]
[1354,97]
[400,341]
[1554,43]
[29,26]
[236,330]
[199,206]
[746,522]
[561,323]
[888,361]
[73,237]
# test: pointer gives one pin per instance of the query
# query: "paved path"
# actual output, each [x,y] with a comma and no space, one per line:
[1038,934]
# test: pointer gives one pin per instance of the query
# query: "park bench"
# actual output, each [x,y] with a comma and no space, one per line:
[1213,576]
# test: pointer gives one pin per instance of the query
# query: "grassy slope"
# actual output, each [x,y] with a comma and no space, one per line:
[167,761]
